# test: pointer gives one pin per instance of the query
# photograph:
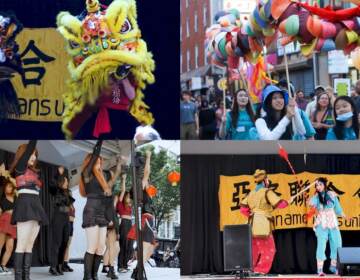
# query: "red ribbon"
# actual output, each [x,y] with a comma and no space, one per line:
[329,14]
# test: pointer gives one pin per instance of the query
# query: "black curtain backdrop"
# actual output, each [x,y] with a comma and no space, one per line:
[42,244]
[202,248]
[160,29]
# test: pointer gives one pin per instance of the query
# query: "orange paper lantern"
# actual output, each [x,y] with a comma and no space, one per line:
[151,191]
[174,178]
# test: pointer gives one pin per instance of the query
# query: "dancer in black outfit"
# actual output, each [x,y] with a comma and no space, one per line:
[94,186]
[28,212]
[60,221]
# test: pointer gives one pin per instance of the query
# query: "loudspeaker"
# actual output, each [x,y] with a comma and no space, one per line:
[237,248]
[348,261]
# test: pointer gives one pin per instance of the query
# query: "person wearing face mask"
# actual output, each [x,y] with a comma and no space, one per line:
[124,209]
[60,225]
[95,188]
[346,120]
[327,206]
[237,124]
[279,118]
[258,206]
[322,118]
[28,213]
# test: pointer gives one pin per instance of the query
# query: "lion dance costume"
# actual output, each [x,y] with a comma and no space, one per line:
[257,206]
[10,63]
[110,65]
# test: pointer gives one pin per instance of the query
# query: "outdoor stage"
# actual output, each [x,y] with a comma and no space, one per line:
[283,277]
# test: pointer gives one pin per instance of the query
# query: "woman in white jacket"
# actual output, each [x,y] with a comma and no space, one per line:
[278,118]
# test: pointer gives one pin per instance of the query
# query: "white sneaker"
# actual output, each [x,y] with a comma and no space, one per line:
[6,271]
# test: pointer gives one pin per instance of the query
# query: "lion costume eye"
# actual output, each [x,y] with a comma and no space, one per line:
[74,45]
[126,27]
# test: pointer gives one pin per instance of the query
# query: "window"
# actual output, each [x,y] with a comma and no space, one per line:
[196,22]
[181,63]
[205,16]
[187,28]
[188,60]
[196,57]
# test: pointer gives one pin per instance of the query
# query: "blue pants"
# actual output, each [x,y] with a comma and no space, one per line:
[323,235]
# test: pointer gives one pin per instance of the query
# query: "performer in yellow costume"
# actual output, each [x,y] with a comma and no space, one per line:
[258,206]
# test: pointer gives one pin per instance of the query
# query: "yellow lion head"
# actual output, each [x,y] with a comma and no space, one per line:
[103,44]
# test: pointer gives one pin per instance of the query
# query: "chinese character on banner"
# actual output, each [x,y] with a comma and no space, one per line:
[274,187]
[333,188]
[34,63]
[295,188]
[240,188]
[357,194]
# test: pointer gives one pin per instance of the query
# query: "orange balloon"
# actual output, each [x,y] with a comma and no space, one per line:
[355,56]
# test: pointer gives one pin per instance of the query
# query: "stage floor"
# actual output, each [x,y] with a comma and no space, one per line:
[283,277]
[153,273]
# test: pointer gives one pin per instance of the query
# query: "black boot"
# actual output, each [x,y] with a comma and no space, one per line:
[88,265]
[18,265]
[59,269]
[27,265]
[134,274]
[67,268]
[53,271]
[105,269]
[97,261]
[111,273]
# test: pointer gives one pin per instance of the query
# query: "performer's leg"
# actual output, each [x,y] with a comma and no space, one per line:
[322,238]
[114,247]
[101,242]
[92,236]
[148,250]
[63,245]
[23,231]
[34,231]
[57,233]
[113,252]
[100,249]
[35,228]
[267,253]
[106,254]
[255,252]
[122,259]
[66,266]
[9,246]
[335,243]
[2,240]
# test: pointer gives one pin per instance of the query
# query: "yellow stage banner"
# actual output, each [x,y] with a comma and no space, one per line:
[233,189]
[41,86]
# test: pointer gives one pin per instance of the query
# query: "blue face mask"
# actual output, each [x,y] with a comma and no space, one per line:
[344,117]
